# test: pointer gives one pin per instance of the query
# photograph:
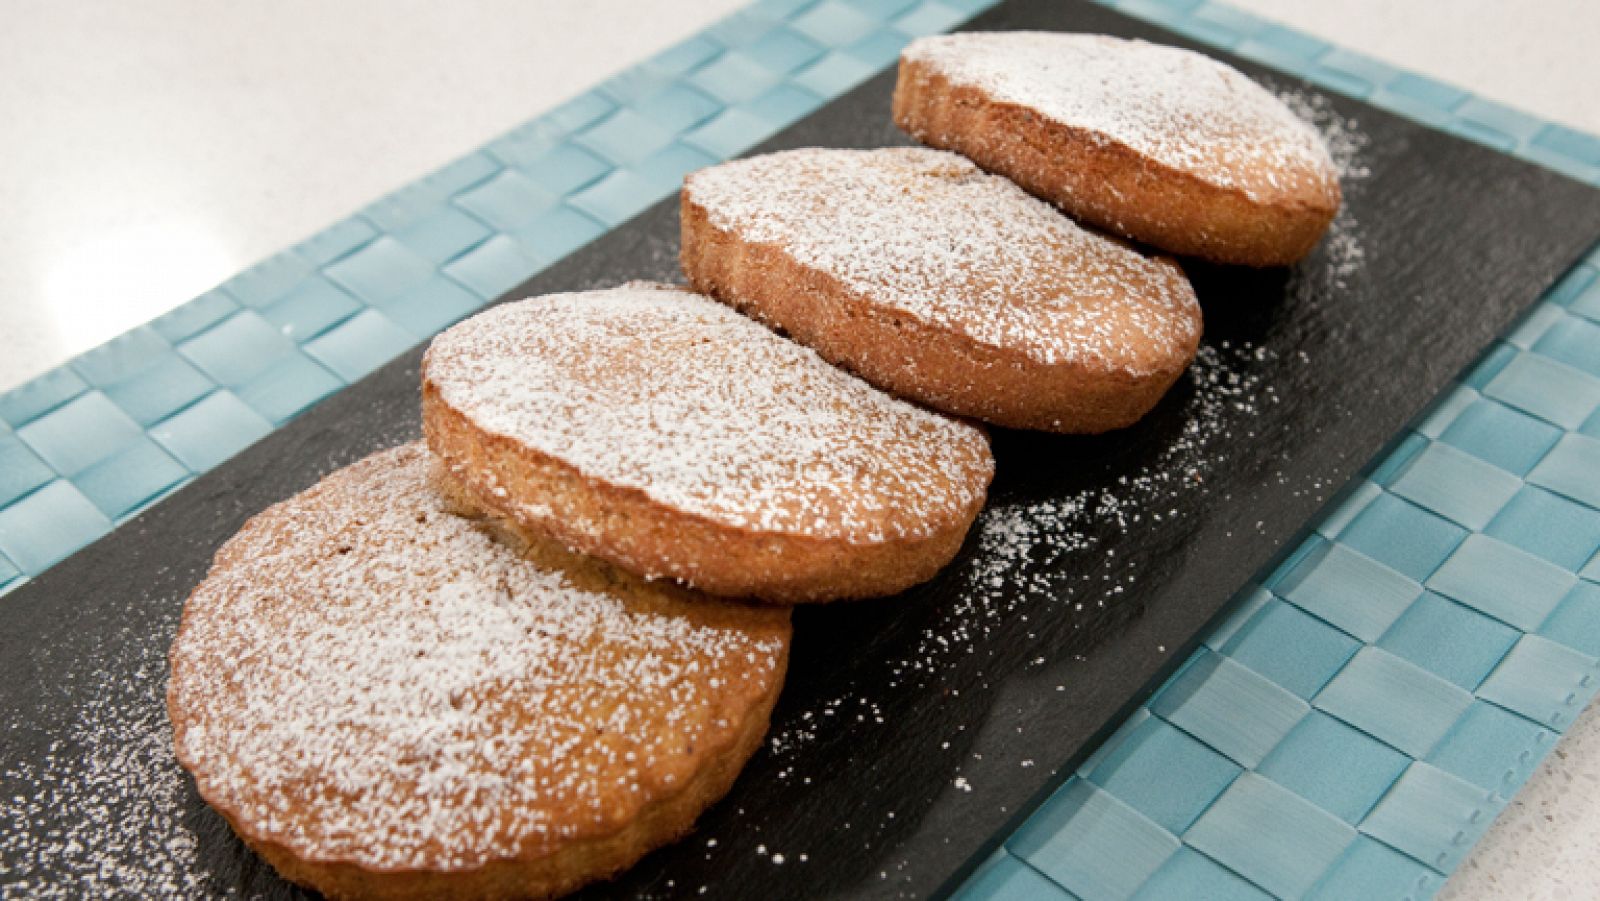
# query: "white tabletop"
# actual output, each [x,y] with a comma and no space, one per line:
[155,147]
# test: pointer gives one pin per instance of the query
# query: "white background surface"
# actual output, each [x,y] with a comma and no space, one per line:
[150,149]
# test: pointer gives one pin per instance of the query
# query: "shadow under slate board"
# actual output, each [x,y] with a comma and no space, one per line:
[913,732]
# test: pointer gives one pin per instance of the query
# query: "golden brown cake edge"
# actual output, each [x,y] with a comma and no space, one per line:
[629,529]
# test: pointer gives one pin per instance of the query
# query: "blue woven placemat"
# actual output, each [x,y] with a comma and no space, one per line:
[1348,732]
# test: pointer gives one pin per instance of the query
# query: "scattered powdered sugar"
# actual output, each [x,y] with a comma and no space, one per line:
[1024,566]
[1344,250]
[367,677]
[1180,108]
[1341,253]
[1023,544]
[929,234]
[668,392]
[1340,134]
[101,814]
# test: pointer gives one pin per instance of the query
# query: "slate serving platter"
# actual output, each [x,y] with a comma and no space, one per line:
[913,733]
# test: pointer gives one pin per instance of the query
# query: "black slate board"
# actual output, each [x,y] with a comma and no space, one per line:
[889,705]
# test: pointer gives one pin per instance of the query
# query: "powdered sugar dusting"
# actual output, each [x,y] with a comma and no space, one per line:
[99,816]
[1342,251]
[1025,546]
[366,677]
[1341,135]
[704,410]
[1048,558]
[1180,108]
[927,233]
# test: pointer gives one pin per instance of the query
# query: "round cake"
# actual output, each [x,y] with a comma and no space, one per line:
[386,699]
[660,430]
[1156,143]
[937,281]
